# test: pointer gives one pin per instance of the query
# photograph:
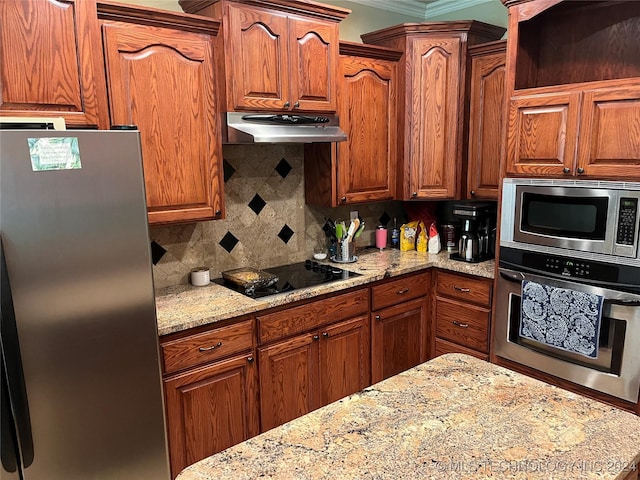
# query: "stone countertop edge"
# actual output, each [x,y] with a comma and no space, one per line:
[452,417]
[182,307]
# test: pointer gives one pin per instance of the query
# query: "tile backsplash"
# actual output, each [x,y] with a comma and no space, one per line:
[267,222]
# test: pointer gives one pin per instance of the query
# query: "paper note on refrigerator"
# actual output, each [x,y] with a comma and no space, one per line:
[55,153]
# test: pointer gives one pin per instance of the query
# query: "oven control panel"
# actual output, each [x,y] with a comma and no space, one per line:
[570,267]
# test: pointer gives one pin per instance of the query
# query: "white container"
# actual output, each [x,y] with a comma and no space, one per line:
[200,277]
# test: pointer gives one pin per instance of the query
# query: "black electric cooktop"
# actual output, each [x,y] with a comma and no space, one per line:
[295,276]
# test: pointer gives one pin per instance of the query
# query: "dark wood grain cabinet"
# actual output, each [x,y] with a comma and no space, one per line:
[399,325]
[160,77]
[362,168]
[486,119]
[462,314]
[327,357]
[573,84]
[434,99]
[279,55]
[51,62]
[211,391]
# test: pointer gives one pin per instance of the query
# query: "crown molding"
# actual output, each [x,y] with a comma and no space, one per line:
[415,8]
[442,7]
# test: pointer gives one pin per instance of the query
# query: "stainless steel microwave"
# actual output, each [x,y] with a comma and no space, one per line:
[592,217]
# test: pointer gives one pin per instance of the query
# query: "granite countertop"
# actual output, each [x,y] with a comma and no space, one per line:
[452,417]
[183,306]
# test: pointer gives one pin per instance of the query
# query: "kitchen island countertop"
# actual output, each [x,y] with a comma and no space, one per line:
[183,306]
[452,417]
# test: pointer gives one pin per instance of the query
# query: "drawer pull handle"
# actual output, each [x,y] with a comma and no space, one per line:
[403,291]
[461,289]
[461,325]
[212,347]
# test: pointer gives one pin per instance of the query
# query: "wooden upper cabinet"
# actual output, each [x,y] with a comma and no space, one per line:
[433,103]
[162,80]
[486,119]
[258,59]
[542,134]
[573,84]
[363,168]
[280,55]
[51,61]
[435,113]
[313,65]
[610,132]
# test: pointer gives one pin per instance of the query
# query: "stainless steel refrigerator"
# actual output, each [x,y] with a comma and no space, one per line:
[81,384]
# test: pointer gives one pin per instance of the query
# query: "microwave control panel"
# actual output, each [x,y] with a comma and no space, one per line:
[627,221]
[570,267]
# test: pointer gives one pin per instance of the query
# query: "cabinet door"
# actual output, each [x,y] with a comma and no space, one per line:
[399,338]
[368,114]
[51,61]
[210,409]
[610,133]
[162,81]
[314,63]
[486,125]
[542,134]
[288,380]
[257,49]
[434,122]
[344,359]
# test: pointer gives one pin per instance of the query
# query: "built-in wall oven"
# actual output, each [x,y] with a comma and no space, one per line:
[575,238]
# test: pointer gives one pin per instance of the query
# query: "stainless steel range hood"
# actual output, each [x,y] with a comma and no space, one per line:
[281,128]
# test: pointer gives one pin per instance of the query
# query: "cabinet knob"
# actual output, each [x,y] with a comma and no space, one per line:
[378,317]
[287,104]
[316,337]
[218,213]
[343,199]
[580,170]
[414,194]
[325,334]
[250,359]
[473,193]
[296,105]
[566,170]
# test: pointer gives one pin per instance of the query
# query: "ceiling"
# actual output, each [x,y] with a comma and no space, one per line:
[420,8]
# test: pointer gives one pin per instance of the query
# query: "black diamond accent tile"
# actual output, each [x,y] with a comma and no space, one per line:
[257,204]
[229,242]
[283,168]
[384,219]
[228,170]
[286,233]
[157,252]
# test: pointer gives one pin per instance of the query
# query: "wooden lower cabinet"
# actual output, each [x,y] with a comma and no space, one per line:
[211,408]
[399,338]
[313,369]
[462,314]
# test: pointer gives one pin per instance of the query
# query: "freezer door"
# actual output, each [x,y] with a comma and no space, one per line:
[76,242]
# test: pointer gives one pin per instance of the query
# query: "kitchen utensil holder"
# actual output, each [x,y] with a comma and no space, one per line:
[345,252]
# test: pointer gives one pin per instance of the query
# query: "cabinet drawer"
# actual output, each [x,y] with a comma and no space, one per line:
[306,317]
[400,290]
[464,324]
[442,347]
[205,347]
[468,289]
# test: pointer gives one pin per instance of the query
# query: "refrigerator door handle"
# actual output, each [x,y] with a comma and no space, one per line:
[12,376]
[8,441]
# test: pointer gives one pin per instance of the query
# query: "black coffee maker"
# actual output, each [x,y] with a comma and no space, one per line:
[478,233]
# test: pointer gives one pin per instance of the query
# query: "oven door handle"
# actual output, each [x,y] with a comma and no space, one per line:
[513,277]
[633,288]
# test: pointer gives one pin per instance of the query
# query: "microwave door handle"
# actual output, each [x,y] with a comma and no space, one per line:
[622,303]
